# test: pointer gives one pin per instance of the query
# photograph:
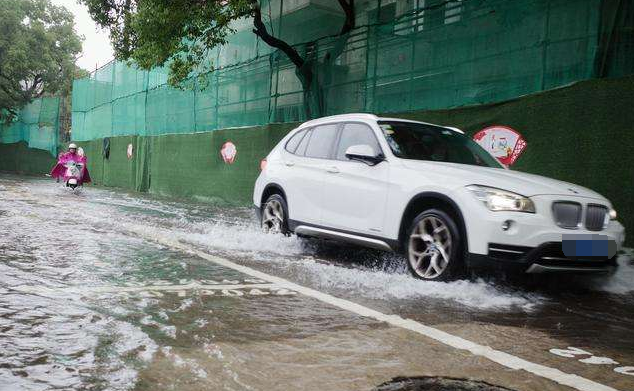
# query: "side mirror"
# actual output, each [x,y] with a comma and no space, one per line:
[365,154]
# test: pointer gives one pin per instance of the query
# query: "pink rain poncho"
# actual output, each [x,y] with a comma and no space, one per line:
[60,171]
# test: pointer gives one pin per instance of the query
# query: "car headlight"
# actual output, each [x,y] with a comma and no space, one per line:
[612,214]
[502,200]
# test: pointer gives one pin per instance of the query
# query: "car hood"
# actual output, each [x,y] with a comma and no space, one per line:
[517,182]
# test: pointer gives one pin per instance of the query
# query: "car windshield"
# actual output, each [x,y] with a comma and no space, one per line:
[410,140]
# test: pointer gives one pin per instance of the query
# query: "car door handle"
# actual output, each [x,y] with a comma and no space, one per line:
[289,164]
[333,170]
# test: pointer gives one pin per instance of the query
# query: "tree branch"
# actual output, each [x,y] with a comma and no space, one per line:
[348,9]
[32,91]
[260,31]
[348,25]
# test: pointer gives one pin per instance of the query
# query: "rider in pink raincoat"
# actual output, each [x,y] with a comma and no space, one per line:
[59,171]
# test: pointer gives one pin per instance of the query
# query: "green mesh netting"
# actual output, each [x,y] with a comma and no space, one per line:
[37,123]
[404,55]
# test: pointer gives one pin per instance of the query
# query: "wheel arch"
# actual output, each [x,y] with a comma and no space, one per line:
[270,189]
[432,200]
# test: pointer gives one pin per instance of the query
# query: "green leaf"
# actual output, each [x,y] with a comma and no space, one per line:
[38,49]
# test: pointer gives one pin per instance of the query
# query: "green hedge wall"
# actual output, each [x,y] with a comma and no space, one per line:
[186,165]
[191,166]
[19,158]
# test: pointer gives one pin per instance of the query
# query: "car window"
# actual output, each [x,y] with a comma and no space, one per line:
[356,134]
[418,141]
[291,145]
[321,141]
[301,149]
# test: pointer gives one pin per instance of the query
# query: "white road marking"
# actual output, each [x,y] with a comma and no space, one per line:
[108,289]
[571,380]
[181,290]
[599,361]
[570,352]
[593,360]
[625,370]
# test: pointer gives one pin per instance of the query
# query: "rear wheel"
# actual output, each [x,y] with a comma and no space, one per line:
[275,215]
[434,247]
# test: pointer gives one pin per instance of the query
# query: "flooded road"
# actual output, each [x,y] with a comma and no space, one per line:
[106,290]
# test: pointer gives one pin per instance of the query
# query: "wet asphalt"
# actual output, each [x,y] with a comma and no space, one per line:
[93,296]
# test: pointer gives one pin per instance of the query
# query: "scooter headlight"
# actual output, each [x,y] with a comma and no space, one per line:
[501,200]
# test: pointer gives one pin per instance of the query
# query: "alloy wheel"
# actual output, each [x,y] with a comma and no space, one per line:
[273,217]
[430,247]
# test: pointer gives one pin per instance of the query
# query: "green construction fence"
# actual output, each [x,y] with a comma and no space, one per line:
[579,133]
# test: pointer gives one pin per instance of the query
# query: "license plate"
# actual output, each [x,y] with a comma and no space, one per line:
[588,246]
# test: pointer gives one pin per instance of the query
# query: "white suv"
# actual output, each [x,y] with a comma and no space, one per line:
[433,193]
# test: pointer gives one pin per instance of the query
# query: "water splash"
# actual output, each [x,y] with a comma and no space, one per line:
[386,278]
[622,282]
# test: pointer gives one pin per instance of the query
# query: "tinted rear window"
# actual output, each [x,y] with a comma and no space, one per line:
[301,149]
[293,143]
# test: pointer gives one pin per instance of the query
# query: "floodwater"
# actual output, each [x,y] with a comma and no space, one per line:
[98,293]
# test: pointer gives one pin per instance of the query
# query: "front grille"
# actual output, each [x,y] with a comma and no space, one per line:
[596,216]
[567,214]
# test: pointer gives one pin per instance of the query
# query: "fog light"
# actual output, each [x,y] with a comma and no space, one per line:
[506,225]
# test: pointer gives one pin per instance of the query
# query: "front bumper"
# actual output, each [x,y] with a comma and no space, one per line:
[526,229]
[546,258]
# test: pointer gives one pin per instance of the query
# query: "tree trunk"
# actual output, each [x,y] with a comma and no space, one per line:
[325,71]
[313,102]
[307,69]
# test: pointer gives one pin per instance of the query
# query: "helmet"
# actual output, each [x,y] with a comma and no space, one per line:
[72,145]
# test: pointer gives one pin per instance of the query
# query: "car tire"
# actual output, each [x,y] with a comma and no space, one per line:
[275,215]
[433,247]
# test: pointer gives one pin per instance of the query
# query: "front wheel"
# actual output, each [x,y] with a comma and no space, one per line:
[275,215]
[434,247]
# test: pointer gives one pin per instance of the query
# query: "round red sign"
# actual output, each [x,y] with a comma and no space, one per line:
[228,152]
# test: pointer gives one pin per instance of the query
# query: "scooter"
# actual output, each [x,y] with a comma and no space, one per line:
[71,168]
[74,174]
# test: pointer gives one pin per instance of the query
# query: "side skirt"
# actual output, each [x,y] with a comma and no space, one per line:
[317,231]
